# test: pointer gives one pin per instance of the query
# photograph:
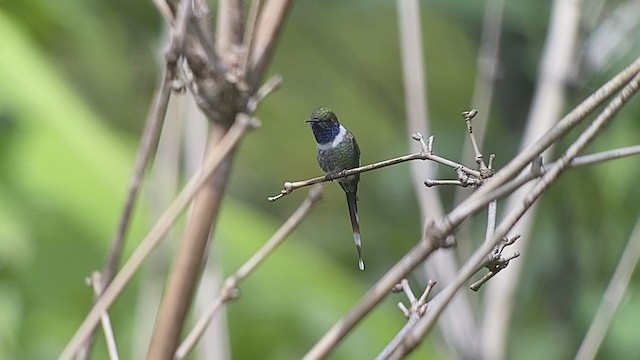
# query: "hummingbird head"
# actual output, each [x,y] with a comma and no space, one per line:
[324,124]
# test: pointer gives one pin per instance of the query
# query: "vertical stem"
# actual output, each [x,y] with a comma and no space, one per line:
[612,297]
[458,325]
[186,269]
[548,101]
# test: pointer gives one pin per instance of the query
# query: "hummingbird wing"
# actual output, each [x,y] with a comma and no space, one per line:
[352,203]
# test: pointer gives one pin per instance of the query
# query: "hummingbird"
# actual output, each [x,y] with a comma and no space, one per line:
[338,151]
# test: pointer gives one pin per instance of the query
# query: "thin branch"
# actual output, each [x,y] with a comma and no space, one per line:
[263,92]
[96,283]
[249,36]
[147,147]
[436,234]
[538,171]
[164,10]
[487,66]
[205,40]
[458,326]
[492,210]
[605,156]
[468,116]
[470,181]
[495,261]
[190,254]
[556,64]
[418,308]
[156,234]
[375,295]
[229,290]
[612,297]
[266,31]
[525,157]
[426,323]
[425,154]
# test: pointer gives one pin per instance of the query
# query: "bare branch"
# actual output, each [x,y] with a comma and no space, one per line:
[495,261]
[229,290]
[249,36]
[612,297]
[164,10]
[525,157]
[96,282]
[426,323]
[377,293]
[156,234]
[267,28]
[146,148]
[425,154]
[538,171]
[265,90]
[418,308]
[548,101]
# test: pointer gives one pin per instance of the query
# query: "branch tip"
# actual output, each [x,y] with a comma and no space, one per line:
[468,115]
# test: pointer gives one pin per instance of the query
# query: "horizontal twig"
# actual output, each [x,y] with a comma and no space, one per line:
[425,154]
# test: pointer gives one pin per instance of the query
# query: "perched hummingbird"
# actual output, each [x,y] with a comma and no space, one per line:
[338,151]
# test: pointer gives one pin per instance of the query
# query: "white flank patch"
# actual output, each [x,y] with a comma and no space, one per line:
[337,140]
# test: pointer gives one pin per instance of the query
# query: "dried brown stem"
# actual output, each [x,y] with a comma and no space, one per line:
[229,290]
[156,234]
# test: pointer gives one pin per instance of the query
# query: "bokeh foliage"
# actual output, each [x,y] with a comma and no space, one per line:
[75,83]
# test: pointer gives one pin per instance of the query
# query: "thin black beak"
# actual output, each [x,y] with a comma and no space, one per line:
[311,121]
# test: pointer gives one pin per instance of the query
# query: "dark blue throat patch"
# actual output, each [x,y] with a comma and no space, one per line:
[325,132]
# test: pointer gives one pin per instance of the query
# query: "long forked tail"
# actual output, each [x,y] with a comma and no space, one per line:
[352,200]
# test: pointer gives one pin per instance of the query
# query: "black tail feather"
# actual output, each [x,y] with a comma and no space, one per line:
[352,202]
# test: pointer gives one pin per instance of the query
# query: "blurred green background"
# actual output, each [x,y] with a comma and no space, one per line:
[76,80]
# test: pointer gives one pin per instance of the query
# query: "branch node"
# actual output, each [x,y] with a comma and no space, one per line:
[468,115]
[537,167]
[496,262]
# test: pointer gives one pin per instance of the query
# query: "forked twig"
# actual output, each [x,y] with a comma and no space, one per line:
[425,154]
[439,230]
[426,323]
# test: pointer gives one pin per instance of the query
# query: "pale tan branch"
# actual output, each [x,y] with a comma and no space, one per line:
[515,166]
[612,297]
[157,233]
[96,283]
[437,232]
[229,290]
[425,154]
[269,22]
[426,323]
